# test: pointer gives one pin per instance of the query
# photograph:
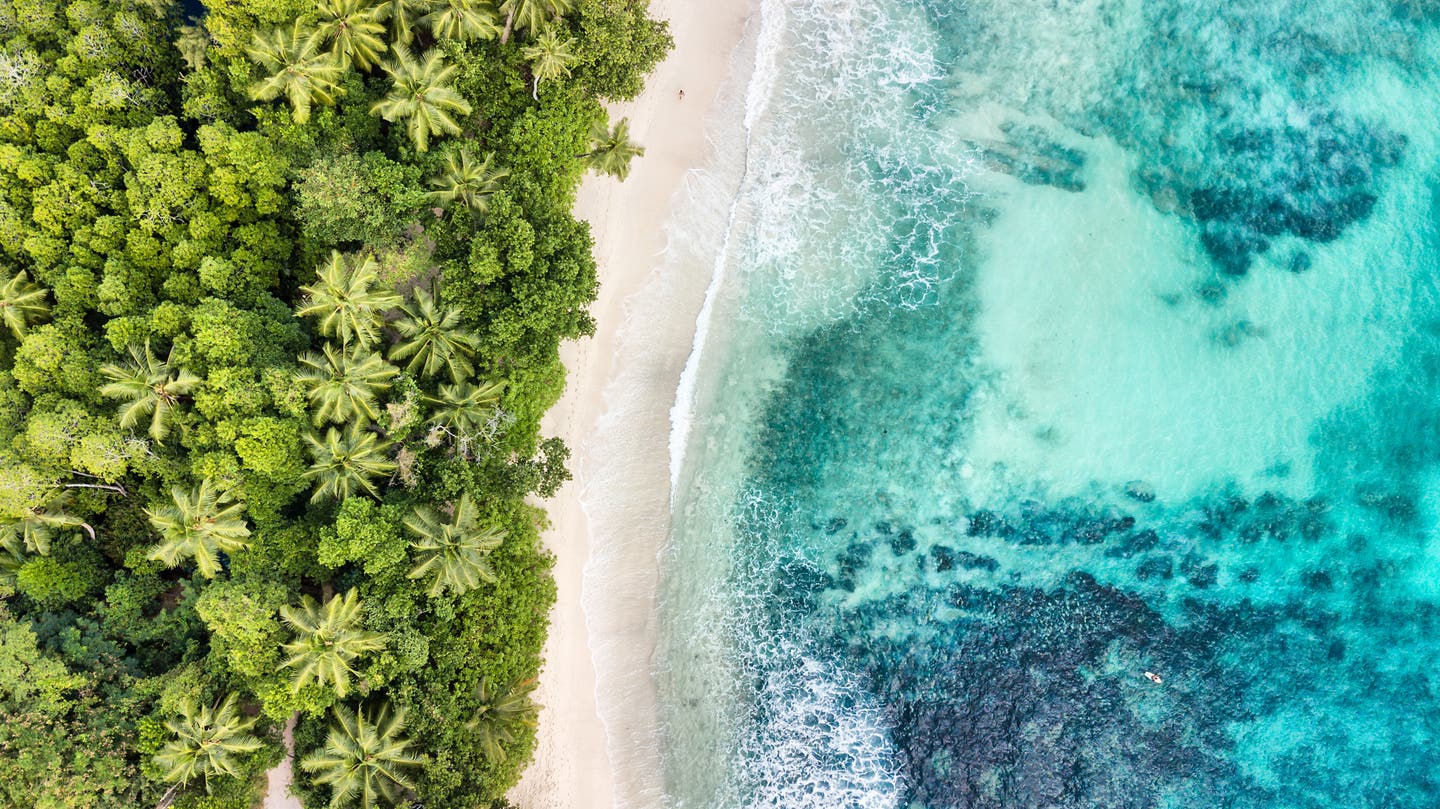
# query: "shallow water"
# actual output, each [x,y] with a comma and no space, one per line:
[1060,342]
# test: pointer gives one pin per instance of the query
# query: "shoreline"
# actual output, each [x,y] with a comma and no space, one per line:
[593,753]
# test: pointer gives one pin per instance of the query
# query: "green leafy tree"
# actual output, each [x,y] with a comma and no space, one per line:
[208,742]
[365,758]
[22,303]
[465,408]
[611,150]
[345,387]
[34,529]
[353,32]
[421,97]
[151,388]
[200,524]
[528,15]
[194,45]
[345,300]
[299,68]
[327,639]
[453,554]
[464,180]
[500,713]
[432,339]
[347,463]
[550,58]
[463,20]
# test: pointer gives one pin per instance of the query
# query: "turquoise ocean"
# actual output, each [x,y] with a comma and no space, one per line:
[1055,343]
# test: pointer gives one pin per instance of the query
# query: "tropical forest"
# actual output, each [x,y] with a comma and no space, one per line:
[283,284]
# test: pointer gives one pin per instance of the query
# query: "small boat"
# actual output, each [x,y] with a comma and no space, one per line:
[1154,678]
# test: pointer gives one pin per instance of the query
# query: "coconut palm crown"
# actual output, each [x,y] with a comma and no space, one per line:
[611,150]
[201,524]
[500,713]
[465,408]
[38,525]
[402,16]
[433,340]
[528,15]
[345,388]
[454,554]
[365,758]
[299,69]
[347,463]
[328,638]
[152,387]
[22,303]
[346,301]
[463,20]
[467,181]
[353,32]
[207,743]
[421,98]
[549,58]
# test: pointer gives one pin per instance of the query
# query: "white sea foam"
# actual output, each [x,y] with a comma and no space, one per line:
[805,236]
[757,98]
[822,744]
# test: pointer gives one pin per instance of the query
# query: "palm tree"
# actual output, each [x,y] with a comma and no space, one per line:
[201,524]
[299,69]
[402,15]
[328,638]
[37,526]
[549,58]
[463,20]
[420,96]
[365,756]
[12,558]
[346,301]
[352,31]
[465,408]
[455,553]
[466,181]
[501,711]
[347,463]
[152,387]
[611,150]
[521,15]
[343,387]
[206,743]
[22,303]
[432,339]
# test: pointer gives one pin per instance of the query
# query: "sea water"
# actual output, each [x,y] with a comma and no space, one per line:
[1066,431]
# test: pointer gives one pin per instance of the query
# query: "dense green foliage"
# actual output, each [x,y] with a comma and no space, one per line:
[282,289]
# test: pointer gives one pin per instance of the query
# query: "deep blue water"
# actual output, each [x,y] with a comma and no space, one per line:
[1072,341]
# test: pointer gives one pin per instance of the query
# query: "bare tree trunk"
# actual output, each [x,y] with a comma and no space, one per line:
[509,27]
[120,490]
[535,93]
[168,798]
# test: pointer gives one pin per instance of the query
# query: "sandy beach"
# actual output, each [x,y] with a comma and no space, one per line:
[633,363]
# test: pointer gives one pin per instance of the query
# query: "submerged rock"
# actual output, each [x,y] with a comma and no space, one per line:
[1140,491]
[903,542]
[1155,567]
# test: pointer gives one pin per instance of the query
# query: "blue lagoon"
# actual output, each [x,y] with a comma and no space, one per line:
[1056,344]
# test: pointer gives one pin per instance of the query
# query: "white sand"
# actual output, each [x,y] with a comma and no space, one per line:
[636,356]
[277,794]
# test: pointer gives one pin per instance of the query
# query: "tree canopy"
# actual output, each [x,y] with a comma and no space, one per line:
[282,286]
